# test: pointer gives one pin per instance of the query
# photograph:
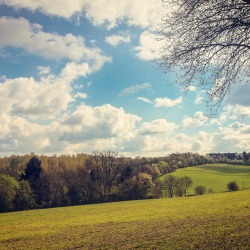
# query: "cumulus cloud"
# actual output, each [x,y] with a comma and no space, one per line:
[21,136]
[84,129]
[115,40]
[99,12]
[105,121]
[220,120]
[26,97]
[160,137]
[159,126]
[167,102]
[33,40]
[197,120]
[162,102]
[61,8]
[239,110]
[135,89]
[42,99]
[150,47]
[112,12]
[235,135]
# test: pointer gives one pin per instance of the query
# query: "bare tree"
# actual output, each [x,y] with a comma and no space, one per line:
[106,166]
[207,43]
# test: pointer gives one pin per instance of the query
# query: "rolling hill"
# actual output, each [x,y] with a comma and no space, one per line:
[216,176]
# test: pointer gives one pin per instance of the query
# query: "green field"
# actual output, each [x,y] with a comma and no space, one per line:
[216,221]
[216,176]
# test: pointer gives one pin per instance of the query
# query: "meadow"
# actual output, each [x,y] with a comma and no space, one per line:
[216,176]
[213,221]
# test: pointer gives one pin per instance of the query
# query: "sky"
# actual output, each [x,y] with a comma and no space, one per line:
[80,76]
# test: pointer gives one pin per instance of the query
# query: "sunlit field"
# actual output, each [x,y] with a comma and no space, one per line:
[215,221]
[216,176]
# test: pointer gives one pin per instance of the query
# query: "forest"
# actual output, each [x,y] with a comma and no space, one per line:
[31,181]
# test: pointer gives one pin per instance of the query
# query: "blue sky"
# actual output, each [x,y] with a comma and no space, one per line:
[78,76]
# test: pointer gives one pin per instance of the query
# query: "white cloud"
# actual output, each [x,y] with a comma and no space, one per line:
[189,88]
[143,99]
[43,70]
[167,102]
[162,102]
[235,135]
[150,47]
[61,8]
[26,97]
[135,89]
[106,121]
[219,121]
[197,120]
[115,40]
[22,136]
[80,95]
[73,70]
[99,12]
[43,99]
[33,40]
[159,126]
[111,12]
[239,110]
[198,99]
[82,130]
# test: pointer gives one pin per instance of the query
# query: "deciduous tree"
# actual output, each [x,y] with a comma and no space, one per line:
[208,44]
[8,190]
[169,184]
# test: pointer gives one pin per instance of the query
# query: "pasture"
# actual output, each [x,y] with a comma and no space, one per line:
[215,221]
[216,176]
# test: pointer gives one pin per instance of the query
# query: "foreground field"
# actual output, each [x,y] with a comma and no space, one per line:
[216,221]
[216,176]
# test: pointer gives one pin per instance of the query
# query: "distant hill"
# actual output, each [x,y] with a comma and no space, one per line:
[216,176]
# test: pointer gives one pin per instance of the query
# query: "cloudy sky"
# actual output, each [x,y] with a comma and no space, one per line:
[78,76]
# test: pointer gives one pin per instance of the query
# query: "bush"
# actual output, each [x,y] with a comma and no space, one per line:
[199,190]
[232,186]
[210,191]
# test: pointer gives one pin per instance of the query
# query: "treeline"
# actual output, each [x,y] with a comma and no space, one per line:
[31,181]
[229,158]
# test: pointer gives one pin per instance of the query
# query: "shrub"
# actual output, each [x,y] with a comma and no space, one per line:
[199,190]
[210,191]
[232,186]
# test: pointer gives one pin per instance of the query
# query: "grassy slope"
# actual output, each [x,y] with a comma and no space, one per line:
[216,176]
[217,221]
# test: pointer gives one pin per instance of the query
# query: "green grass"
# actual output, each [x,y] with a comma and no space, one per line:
[216,176]
[216,221]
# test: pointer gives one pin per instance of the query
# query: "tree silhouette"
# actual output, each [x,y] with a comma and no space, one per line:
[33,170]
[207,44]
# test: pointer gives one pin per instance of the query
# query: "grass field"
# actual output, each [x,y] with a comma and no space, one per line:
[215,221]
[216,176]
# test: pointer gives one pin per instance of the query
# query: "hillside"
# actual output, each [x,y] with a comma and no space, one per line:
[216,176]
[216,221]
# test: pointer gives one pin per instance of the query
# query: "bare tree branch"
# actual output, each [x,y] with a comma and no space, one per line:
[207,44]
